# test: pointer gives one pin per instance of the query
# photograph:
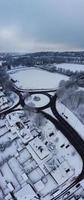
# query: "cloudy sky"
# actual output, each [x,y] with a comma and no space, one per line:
[40,25]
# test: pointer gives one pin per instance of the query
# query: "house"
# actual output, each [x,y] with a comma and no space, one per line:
[39,148]
[26,193]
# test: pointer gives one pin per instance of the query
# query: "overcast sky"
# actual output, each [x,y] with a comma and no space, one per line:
[40,25]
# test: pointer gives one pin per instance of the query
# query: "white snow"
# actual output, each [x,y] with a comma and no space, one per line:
[9,176]
[46,188]
[72,67]
[39,148]
[8,102]
[1,62]
[49,111]
[25,193]
[37,79]
[81,89]
[36,175]
[43,100]
[70,118]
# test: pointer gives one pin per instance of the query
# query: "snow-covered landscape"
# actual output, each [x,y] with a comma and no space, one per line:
[34,146]
[41,140]
[41,100]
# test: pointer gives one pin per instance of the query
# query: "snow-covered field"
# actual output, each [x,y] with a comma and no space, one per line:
[37,79]
[72,67]
[37,100]
[1,62]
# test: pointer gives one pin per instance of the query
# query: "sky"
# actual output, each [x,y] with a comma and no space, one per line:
[41,25]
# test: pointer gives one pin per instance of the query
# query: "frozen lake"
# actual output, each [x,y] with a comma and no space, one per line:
[37,79]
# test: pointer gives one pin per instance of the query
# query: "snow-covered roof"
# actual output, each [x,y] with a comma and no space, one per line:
[26,193]
[39,148]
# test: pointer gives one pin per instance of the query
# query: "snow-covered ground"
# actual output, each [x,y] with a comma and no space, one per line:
[81,88]
[72,67]
[70,118]
[37,100]
[37,79]
[1,62]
